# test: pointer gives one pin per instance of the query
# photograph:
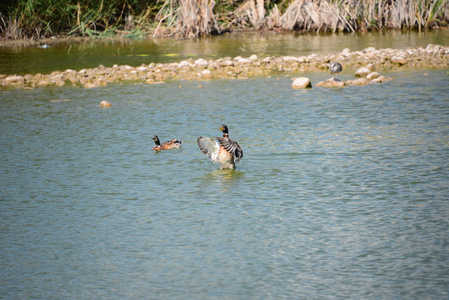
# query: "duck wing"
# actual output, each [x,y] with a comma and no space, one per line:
[176,141]
[165,143]
[232,147]
[209,147]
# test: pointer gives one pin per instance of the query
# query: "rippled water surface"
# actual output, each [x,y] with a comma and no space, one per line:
[341,193]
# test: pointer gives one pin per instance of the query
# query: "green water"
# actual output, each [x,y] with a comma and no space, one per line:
[341,193]
[91,54]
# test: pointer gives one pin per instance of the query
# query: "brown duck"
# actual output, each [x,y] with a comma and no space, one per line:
[173,144]
[226,152]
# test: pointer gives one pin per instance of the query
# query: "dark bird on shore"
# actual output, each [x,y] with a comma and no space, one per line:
[226,152]
[173,144]
[335,68]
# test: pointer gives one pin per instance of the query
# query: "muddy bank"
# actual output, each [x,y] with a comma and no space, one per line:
[433,56]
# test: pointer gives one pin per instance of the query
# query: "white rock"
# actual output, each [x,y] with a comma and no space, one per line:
[201,62]
[227,63]
[184,64]
[372,75]
[253,57]
[244,60]
[206,74]
[433,48]
[13,78]
[289,58]
[379,79]
[362,72]
[301,83]
[267,59]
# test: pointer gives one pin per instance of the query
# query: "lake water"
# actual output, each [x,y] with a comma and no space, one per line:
[341,193]
[77,56]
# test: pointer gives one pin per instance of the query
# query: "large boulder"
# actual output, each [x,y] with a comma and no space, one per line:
[301,83]
[362,72]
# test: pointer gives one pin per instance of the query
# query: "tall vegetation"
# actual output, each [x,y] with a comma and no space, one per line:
[192,18]
[43,18]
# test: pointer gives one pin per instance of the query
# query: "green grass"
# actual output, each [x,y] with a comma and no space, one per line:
[136,18]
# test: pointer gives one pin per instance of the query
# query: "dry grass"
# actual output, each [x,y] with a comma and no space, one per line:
[193,18]
[350,16]
[11,28]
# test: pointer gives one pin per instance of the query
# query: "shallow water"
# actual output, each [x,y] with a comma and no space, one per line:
[341,193]
[32,60]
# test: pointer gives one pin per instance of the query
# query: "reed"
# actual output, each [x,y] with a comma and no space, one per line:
[256,14]
[193,18]
[346,15]
[331,15]
[394,14]
[10,27]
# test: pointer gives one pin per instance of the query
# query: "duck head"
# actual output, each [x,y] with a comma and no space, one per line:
[224,128]
[156,140]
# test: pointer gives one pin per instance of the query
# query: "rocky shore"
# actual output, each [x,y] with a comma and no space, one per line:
[432,56]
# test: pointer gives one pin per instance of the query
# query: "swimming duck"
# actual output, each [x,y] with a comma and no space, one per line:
[335,68]
[226,152]
[173,144]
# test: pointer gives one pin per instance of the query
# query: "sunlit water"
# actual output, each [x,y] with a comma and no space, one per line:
[77,56]
[341,193]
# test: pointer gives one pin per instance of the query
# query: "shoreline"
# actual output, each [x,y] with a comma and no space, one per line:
[432,56]
[54,40]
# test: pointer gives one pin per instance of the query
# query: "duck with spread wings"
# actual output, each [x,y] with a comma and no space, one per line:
[226,152]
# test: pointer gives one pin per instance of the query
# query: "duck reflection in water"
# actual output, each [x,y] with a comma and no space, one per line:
[225,179]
